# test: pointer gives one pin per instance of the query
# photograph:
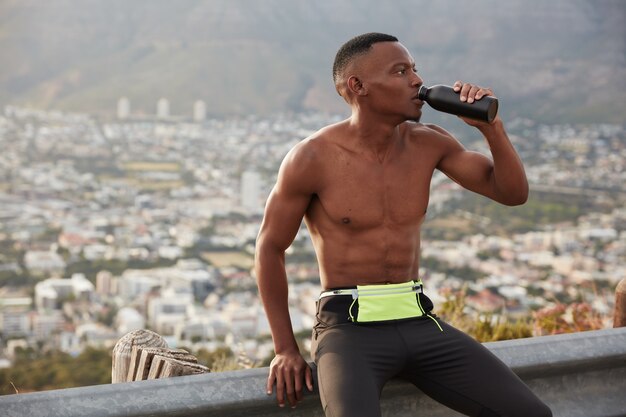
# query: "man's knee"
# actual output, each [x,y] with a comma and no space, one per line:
[542,410]
[535,408]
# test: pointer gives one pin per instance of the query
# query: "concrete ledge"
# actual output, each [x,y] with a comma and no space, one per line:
[578,375]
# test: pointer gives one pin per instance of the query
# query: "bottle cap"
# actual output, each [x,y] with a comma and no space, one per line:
[421,93]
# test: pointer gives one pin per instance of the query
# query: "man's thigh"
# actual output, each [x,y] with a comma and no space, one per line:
[459,372]
[353,363]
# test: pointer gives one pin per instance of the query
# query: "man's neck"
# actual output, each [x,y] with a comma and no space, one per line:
[373,134]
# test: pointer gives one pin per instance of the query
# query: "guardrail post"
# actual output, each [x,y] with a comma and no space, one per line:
[619,317]
[123,350]
[143,354]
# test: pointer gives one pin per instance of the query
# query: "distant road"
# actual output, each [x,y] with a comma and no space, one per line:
[590,192]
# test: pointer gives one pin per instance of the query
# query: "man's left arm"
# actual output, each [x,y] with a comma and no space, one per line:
[501,178]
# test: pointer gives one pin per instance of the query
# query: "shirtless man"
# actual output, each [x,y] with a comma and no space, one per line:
[362,187]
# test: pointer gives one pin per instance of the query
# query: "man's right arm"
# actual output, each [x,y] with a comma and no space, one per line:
[284,211]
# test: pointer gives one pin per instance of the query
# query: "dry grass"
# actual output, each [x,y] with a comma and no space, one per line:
[495,326]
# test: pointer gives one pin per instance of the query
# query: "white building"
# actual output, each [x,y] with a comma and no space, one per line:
[167,312]
[134,283]
[105,283]
[69,342]
[50,292]
[251,191]
[45,324]
[129,319]
[123,108]
[13,345]
[199,111]
[96,335]
[163,108]
[44,262]
[82,288]
[14,320]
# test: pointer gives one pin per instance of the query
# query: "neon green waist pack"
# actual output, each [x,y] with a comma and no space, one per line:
[383,302]
[387,302]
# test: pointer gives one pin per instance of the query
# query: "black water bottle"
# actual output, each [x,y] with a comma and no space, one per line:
[445,99]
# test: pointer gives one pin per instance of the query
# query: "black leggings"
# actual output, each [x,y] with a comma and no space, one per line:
[354,361]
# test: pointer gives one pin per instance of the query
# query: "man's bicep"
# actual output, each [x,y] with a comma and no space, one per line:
[283,215]
[454,160]
[296,183]
[471,170]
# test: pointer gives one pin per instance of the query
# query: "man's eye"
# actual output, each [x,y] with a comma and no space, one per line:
[402,71]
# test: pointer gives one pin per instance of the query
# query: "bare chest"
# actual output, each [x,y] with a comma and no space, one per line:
[366,194]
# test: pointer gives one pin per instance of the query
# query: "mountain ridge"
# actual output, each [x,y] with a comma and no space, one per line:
[562,61]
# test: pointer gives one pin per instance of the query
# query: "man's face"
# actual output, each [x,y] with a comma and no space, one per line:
[390,78]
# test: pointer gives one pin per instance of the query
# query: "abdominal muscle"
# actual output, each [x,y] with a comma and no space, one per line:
[383,255]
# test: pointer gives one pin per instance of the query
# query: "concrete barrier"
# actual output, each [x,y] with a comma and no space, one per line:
[577,375]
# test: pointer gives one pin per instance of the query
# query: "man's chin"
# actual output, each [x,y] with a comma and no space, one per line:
[416,118]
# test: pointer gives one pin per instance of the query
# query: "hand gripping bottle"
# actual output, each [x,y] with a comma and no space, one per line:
[445,99]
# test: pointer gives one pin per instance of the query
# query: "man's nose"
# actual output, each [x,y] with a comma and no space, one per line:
[417,80]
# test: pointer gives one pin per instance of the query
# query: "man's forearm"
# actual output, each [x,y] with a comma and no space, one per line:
[273,289]
[508,171]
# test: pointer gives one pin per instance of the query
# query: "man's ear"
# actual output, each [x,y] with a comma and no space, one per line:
[356,86]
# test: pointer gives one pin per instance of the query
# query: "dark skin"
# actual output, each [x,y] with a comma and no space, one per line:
[362,187]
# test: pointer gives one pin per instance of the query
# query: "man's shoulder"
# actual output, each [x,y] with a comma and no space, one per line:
[303,168]
[416,130]
[306,159]
[329,134]
[429,135]
[316,145]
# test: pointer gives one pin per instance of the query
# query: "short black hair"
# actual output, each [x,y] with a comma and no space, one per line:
[357,46]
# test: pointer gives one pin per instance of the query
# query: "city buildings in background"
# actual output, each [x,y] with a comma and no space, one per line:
[113,226]
[197,113]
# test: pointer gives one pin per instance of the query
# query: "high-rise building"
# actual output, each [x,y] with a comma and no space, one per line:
[104,283]
[123,108]
[14,316]
[163,108]
[250,191]
[199,111]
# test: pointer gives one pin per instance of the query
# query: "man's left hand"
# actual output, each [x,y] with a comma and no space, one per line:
[471,93]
